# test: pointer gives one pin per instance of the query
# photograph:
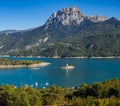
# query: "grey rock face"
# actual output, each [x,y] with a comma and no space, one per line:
[68,16]
[97,18]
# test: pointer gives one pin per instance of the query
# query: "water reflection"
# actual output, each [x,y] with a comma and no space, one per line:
[68,71]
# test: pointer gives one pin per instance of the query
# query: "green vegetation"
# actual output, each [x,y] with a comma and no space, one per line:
[93,39]
[97,94]
[4,61]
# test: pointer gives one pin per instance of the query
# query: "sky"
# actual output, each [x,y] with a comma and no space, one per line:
[25,14]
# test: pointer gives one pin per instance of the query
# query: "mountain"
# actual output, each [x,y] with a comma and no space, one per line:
[6,32]
[91,39]
[67,33]
[71,16]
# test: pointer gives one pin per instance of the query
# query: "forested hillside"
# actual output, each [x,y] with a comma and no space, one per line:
[94,39]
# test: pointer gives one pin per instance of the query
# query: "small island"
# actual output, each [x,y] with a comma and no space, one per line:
[68,66]
[7,63]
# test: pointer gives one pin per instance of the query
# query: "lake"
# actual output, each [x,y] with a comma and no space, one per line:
[85,71]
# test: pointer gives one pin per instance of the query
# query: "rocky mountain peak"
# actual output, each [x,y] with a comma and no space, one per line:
[70,16]
[66,16]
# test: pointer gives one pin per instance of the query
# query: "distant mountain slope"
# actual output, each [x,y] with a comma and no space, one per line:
[67,33]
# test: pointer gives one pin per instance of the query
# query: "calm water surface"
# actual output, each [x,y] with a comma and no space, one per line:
[85,71]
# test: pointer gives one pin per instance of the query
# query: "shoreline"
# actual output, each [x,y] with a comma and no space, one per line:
[109,57]
[42,64]
[82,57]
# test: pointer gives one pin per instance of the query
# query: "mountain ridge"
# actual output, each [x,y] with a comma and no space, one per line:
[73,37]
[68,16]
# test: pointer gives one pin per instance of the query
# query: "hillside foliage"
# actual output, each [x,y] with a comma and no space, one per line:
[5,61]
[88,40]
[97,94]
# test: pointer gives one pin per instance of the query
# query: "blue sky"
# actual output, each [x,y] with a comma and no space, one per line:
[24,14]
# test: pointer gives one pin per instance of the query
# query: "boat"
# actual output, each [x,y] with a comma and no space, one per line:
[36,84]
[68,66]
[46,83]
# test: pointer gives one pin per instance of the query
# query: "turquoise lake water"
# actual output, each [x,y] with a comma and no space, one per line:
[85,71]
